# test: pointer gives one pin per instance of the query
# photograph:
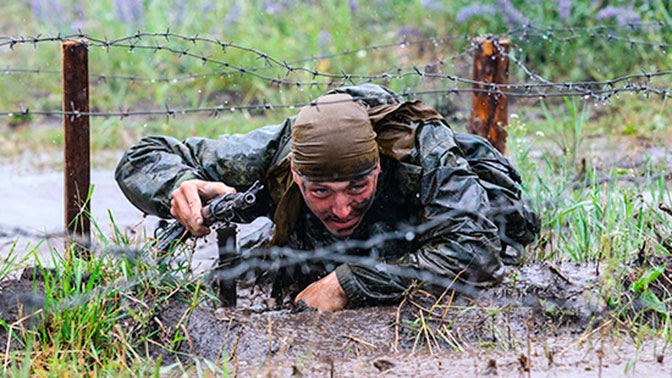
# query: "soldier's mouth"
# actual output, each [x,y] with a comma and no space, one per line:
[343,224]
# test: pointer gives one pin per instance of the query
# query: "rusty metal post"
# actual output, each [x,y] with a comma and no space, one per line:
[76,137]
[489,111]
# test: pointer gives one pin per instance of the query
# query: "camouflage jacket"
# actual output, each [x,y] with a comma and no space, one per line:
[458,199]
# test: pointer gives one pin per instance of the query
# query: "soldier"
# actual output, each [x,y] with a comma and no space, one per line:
[357,163]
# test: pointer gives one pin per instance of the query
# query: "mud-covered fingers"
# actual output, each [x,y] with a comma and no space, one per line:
[210,190]
[186,208]
[178,209]
[325,294]
[193,201]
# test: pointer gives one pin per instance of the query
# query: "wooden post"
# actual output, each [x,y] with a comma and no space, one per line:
[76,136]
[489,112]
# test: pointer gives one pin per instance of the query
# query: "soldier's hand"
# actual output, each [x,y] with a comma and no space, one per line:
[188,201]
[324,295]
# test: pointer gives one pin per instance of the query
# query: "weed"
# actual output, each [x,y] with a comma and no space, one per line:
[97,315]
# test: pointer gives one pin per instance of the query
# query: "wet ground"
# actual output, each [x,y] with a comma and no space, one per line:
[511,330]
[33,203]
[549,322]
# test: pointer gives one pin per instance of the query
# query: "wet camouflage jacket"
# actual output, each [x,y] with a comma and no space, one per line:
[464,191]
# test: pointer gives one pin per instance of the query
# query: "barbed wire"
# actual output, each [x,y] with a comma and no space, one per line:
[342,252]
[12,41]
[554,35]
[103,77]
[343,77]
[630,26]
[570,90]
[270,262]
[580,86]
[335,79]
[549,37]
[271,61]
[599,95]
[7,231]
[275,258]
[540,81]
[281,257]
[87,39]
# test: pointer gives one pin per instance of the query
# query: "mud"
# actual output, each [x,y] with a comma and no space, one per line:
[361,343]
[550,310]
[595,356]
[616,154]
[543,319]
[246,336]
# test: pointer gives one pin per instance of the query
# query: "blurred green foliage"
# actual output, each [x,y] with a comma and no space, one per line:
[289,30]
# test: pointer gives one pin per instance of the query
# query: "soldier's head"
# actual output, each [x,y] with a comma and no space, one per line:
[335,161]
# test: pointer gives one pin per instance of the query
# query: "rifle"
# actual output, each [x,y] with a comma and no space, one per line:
[226,210]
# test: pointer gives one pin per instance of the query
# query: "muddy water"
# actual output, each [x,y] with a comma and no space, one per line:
[364,342]
[507,331]
[361,343]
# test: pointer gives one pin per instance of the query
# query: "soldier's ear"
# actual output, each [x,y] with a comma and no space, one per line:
[295,176]
[377,170]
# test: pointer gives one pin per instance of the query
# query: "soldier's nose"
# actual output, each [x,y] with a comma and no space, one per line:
[341,208]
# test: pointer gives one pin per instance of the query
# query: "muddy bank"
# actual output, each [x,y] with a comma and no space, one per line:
[543,318]
[361,343]
[591,356]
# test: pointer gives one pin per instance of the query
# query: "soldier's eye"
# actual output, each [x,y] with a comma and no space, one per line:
[319,192]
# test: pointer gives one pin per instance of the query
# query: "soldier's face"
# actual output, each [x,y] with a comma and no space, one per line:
[340,205]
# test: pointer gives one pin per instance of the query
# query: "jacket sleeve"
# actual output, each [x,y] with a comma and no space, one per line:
[460,239]
[511,210]
[151,169]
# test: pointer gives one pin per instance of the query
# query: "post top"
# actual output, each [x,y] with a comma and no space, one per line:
[75,42]
[490,38]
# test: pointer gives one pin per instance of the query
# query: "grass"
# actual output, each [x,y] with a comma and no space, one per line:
[97,315]
[270,27]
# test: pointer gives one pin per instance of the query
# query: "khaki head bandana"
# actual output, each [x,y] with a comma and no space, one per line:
[394,124]
[334,140]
